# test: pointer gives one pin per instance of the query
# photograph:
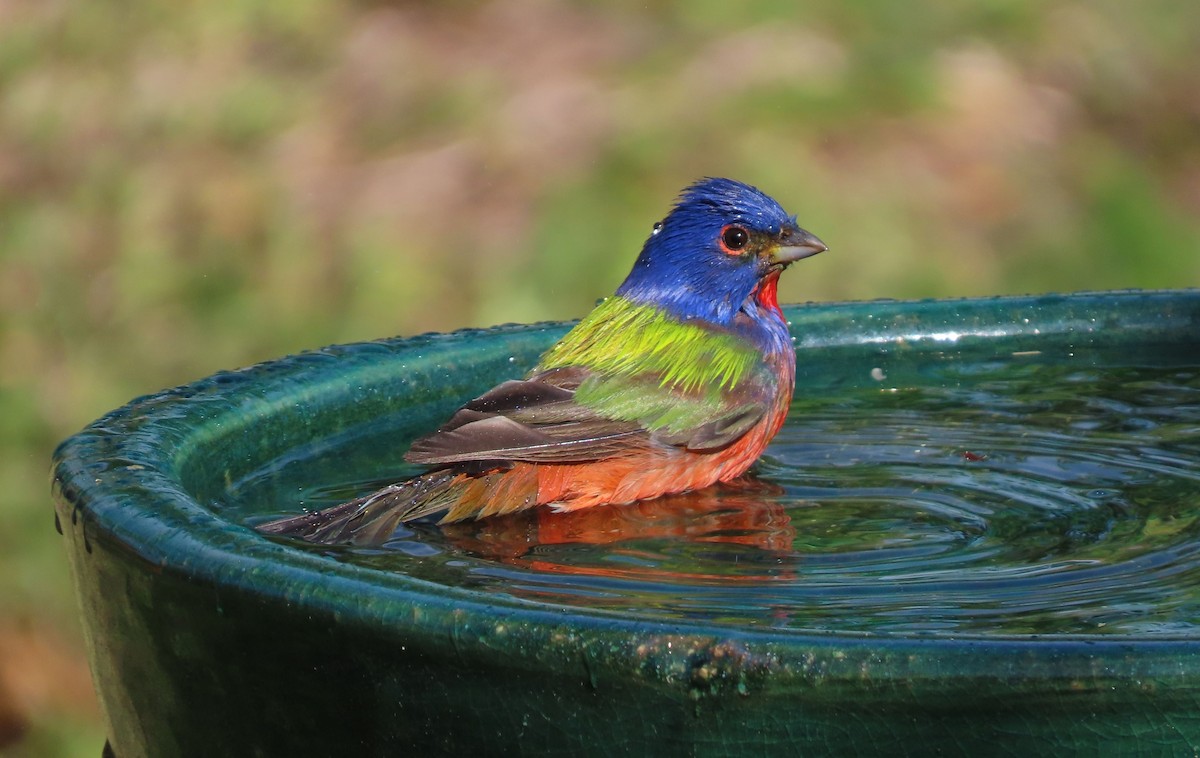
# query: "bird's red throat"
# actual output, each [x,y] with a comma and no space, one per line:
[768,292]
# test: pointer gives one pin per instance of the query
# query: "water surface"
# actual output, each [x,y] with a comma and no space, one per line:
[994,498]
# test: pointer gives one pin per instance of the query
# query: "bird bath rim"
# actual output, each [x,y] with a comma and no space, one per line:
[124,481]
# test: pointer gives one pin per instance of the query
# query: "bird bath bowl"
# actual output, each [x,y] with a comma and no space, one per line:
[978,529]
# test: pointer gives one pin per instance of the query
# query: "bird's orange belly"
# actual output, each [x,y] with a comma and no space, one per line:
[648,473]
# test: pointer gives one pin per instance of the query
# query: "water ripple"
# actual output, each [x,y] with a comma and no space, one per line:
[1014,501]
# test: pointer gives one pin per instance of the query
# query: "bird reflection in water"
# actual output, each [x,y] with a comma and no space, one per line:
[746,512]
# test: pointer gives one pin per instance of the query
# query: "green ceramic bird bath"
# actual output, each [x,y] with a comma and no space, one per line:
[978,532]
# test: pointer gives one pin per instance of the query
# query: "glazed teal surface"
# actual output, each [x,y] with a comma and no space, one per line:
[207,638]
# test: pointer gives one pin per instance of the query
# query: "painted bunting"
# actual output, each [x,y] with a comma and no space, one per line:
[676,382]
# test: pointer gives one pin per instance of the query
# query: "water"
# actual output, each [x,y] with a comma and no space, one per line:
[1005,498]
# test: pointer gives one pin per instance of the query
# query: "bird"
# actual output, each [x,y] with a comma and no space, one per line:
[674,383]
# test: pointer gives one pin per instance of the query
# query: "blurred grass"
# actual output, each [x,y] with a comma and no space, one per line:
[186,187]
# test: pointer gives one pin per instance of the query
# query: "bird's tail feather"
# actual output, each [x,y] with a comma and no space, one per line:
[372,519]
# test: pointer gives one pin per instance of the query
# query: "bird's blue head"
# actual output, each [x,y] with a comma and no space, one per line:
[718,253]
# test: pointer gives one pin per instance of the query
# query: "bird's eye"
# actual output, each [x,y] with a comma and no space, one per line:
[734,239]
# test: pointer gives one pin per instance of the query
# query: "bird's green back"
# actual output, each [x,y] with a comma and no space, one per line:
[623,338]
[646,366]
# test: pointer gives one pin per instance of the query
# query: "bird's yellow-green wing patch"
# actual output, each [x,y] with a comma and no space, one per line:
[686,384]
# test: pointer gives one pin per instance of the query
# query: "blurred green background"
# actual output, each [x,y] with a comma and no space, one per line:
[191,186]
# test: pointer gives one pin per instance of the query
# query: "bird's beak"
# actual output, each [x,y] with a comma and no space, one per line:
[795,244]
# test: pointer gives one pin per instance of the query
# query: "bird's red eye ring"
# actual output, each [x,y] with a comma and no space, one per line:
[734,239]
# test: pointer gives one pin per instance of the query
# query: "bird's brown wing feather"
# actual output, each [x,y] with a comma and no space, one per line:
[540,420]
[535,420]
